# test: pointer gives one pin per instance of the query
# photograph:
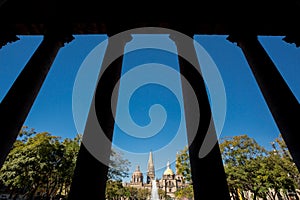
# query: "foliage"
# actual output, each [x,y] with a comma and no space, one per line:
[143,194]
[183,167]
[183,164]
[118,167]
[39,163]
[115,190]
[186,192]
[241,157]
[163,195]
[249,167]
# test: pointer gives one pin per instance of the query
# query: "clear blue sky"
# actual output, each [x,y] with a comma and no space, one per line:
[247,112]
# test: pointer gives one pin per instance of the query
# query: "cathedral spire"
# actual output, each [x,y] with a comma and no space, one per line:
[151,171]
[150,163]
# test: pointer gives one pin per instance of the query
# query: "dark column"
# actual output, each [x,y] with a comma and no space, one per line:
[208,176]
[278,96]
[90,176]
[17,103]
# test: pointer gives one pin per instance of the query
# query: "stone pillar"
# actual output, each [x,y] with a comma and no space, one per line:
[17,103]
[90,176]
[208,176]
[281,101]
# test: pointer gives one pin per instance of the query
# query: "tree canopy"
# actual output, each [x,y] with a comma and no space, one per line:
[41,164]
[250,167]
[183,164]
[183,167]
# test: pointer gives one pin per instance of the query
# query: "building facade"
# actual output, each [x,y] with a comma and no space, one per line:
[170,182]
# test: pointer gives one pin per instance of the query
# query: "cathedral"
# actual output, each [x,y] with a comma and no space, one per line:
[170,182]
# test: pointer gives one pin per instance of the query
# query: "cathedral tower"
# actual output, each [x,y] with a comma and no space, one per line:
[150,171]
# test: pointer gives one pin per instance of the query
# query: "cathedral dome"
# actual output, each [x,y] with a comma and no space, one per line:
[138,172]
[168,171]
[137,176]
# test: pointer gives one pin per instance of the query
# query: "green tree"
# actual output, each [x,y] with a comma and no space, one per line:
[118,169]
[114,190]
[183,164]
[242,157]
[284,171]
[30,165]
[71,148]
[143,194]
[162,194]
[186,192]
[39,163]
[183,167]
[118,166]
[249,167]
[133,192]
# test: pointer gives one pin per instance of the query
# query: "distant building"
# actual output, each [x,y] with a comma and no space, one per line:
[170,182]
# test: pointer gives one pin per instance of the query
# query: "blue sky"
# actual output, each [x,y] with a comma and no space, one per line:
[247,112]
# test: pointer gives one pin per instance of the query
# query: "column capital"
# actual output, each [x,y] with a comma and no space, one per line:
[292,38]
[237,37]
[124,39]
[7,36]
[60,33]
[175,37]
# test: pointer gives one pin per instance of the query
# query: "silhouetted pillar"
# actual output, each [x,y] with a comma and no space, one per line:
[278,96]
[17,103]
[208,175]
[90,176]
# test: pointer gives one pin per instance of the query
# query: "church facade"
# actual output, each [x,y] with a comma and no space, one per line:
[170,182]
